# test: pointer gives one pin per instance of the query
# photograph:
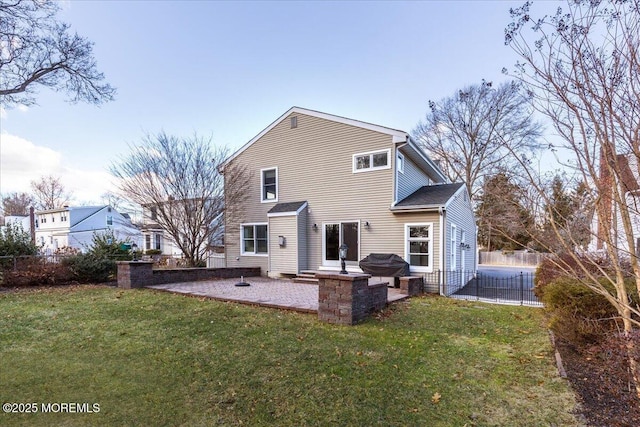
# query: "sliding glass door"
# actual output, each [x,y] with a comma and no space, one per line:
[335,234]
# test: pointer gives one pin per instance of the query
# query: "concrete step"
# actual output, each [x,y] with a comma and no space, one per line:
[307,280]
[308,272]
[306,275]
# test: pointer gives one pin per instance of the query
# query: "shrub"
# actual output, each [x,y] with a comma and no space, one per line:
[153,252]
[14,240]
[90,268]
[578,314]
[36,272]
[556,266]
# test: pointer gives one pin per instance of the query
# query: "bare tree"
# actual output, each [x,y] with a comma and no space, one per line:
[17,203]
[473,133]
[49,193]
[180,178]
[582,68]
[37,50]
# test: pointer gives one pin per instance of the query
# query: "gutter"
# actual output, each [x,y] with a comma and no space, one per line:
[417,208]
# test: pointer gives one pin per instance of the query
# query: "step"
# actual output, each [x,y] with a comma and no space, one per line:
[305,280]
[308,272]
[307,275]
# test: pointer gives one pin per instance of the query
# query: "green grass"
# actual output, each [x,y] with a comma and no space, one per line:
[158,359]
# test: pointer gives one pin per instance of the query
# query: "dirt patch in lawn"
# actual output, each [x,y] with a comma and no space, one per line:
[603,383]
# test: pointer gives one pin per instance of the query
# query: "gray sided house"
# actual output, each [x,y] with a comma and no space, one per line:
[320,180]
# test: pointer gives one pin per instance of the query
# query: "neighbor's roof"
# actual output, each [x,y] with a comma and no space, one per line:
[429,196]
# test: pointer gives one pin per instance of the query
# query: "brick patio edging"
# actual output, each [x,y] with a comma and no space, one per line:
[137,274]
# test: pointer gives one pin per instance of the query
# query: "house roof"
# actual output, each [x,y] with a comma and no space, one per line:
[429,196]
[398,135]
[290,208]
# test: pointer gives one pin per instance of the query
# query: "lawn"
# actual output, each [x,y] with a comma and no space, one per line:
[151,358]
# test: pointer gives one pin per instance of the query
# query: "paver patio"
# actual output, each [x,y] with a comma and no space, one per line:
[262,291]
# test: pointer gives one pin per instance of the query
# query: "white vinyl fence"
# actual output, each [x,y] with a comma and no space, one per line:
[216,261]
[512,258]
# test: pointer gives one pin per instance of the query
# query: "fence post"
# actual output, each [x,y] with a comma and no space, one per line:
[15,263]
[521,288]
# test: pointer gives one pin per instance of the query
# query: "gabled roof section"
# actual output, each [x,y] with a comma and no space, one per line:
[283,209]
[397,135]
[429,197]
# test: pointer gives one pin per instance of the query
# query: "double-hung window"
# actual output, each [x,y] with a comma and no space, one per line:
[269,184]
[374,160]
[419,246]
[254,240]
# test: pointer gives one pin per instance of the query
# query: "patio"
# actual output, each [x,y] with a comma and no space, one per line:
[265,292]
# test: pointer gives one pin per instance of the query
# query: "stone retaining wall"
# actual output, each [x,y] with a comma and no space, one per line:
[347,299]
[411,285]
[137,274]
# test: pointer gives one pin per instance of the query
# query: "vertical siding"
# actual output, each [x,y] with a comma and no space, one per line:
[284,259]
[411,180]
[460,213]
[314,164]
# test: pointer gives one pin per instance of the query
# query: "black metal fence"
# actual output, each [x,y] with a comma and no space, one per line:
[488,287]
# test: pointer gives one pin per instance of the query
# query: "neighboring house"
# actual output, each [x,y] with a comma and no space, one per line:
[630,181]
[74,227]
[320,180]
[155,238]
[23,220]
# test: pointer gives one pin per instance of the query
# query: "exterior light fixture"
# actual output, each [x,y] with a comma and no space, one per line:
[315,227]
[367,225]
[282,241]
[134,251]
[343,256]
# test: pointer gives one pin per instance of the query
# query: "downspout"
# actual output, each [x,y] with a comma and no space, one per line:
[442,249]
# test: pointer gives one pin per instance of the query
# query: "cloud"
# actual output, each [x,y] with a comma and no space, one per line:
[22,161]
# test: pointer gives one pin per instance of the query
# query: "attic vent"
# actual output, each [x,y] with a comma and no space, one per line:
[294,122]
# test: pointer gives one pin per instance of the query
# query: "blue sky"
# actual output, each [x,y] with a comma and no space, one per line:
[228,69]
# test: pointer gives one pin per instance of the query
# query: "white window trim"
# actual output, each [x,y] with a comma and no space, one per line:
[371,167]
[246,224]
[453,255]
[401,167]
[428,269]
[262,199]
[463,256]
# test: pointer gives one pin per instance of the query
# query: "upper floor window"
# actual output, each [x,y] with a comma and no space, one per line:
[371,161]
[269,184]
[109,220]
[63,217]
[153,213]
[43,219]
[294,122]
